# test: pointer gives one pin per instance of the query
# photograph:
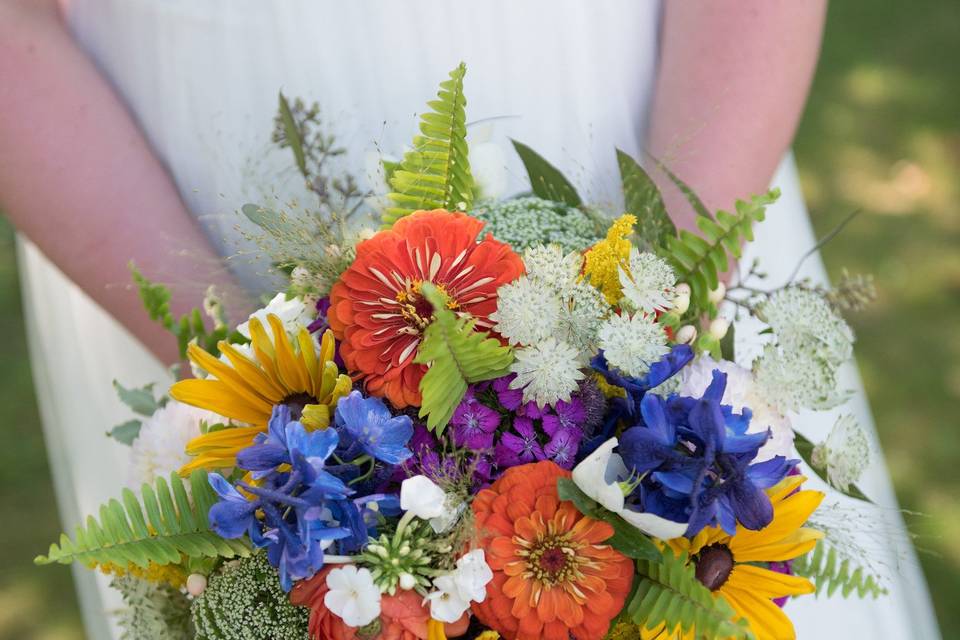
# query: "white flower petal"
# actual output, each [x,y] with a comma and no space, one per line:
[423,497]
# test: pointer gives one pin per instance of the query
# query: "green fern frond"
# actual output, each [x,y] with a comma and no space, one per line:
[700,259]
[435,174]
[828,572]
[668,592]
[158,529]
[457,354]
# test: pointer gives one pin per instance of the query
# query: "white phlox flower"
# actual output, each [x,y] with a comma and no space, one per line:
[454,591]
[648,283]
[293,314]
[632,343]
[352,596]
[421,496]
[547,371]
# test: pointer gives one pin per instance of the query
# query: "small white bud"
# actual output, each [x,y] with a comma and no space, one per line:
[719,328]
[686,334]
[407,581]
[196,584]
[681,303]
[682,289]
[717,295]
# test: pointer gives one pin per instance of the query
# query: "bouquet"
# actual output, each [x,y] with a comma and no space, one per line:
[520,418]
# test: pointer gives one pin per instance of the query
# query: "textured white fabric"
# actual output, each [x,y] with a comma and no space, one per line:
[570,78]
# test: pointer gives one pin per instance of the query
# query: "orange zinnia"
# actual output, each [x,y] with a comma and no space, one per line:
[552,574]
[377,312]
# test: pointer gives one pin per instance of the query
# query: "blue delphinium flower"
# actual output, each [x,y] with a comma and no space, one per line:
[695,456]
[305,506]
[367,426]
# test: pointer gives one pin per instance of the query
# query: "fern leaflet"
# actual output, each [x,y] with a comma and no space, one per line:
[159,529]
[457,354]
[828,572]
[667,592]
[699,260]
[435,174]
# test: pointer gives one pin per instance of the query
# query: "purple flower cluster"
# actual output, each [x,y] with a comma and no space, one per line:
[493,421]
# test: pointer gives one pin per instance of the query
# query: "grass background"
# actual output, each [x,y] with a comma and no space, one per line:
[881,134]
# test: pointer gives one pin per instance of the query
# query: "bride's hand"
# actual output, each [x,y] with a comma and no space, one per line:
[80,180]
[733,78]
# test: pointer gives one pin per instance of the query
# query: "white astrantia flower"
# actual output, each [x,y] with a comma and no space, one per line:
[582,310]
[600,475]
[803,321]
[527,312]
[549,265]
[293,313]
[845,454]
[421,496]
[632,343]
[547,371]
[352,596]
[454,591]
[160,447]
[648,285]
[794,379]
[741,392]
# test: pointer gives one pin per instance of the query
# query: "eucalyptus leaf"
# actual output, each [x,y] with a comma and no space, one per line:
[546,181]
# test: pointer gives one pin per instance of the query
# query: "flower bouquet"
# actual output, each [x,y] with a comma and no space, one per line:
[518,418]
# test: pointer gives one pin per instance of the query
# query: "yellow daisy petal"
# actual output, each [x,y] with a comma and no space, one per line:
[788,515]
[226,374]
[218,397]
[291,369]
[252,372]
[766,583]
[796,544]
[767,620]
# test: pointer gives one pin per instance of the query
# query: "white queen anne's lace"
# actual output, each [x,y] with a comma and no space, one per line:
[803,320]
[527,311]
[632,343]
[551,266]
[845,454]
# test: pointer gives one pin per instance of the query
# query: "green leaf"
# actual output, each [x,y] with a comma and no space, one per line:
[667,591]
[160,528]
[457,354]
[642,198]
[727,344]
[273,222]
[546,181]
[699,261]
[127,432]
[626,538]
[828,572]
[805,448]
[687,192]
[155,297]
[139,400]
[435,174]
[292,134]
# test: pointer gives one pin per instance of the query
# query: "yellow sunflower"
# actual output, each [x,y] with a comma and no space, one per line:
[282,371]
[724,563]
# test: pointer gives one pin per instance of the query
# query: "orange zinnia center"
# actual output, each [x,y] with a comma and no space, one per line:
[417,310]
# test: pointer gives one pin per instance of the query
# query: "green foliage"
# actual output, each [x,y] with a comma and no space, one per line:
[699,260]
[292,137]
[642,198]
[456,354]
[687,192]
[152,611]
[668,591]
[805,448]
[243,600]
[140,401]
[189,327]
[626,539]
[828,572]
[126,432]
[435,174]
[546,181]
[161,528]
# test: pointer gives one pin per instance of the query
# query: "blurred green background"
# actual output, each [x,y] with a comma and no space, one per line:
[881,134]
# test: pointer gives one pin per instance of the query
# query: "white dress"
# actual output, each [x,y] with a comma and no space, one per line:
[571,79]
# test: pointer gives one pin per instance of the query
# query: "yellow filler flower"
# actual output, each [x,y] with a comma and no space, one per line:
[603,261]
[724,563]
[282,371]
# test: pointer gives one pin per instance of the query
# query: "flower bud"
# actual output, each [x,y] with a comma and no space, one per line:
[407,581]
[682,289]
[719,328]
[686,334]
[196,584]
[681,303]
[717,295]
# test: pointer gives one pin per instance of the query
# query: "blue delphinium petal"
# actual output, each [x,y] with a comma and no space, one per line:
[367,424]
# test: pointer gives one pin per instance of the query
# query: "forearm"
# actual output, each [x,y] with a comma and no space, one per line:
[733,78]
[79,179]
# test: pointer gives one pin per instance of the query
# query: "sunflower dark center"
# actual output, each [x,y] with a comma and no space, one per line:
[714,565]
[296,402]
